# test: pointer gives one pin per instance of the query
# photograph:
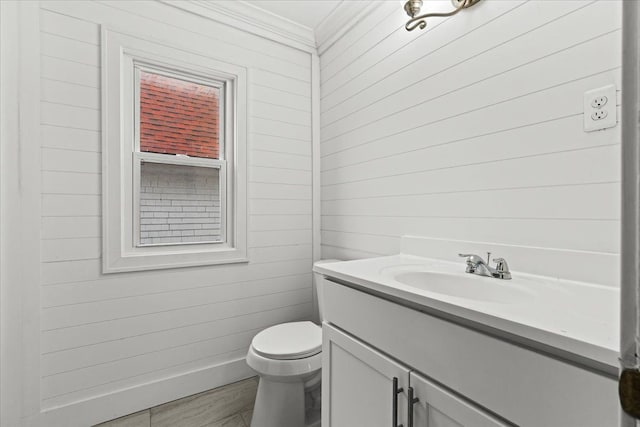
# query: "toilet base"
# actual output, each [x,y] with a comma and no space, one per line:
[279,404]
[313,418]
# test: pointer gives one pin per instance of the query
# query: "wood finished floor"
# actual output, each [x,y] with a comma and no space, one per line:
[228,406]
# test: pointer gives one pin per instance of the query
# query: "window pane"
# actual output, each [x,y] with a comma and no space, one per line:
[178,116]
[179,204]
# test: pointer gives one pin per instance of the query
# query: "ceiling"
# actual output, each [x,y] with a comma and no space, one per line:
[310,13]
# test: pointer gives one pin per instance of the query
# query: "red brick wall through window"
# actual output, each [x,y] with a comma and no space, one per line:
[178,117]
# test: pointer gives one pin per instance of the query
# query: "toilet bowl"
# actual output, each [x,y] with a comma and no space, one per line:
[288,359]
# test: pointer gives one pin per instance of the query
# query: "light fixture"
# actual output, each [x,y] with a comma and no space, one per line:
[412,7]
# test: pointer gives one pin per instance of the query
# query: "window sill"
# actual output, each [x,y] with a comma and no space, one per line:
[143,260]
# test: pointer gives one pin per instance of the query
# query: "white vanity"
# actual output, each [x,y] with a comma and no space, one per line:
[416,342]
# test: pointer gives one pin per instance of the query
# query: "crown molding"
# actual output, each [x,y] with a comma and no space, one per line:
[341,20]
[255,20]
[252,19]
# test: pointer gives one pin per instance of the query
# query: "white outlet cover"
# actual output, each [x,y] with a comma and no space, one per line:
[610,118]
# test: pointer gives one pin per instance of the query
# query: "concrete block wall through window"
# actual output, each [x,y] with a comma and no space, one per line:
[179,204]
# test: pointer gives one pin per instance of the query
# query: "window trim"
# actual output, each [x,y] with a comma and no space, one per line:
[122,56]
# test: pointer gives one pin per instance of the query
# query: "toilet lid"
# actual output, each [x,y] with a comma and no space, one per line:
[288,341]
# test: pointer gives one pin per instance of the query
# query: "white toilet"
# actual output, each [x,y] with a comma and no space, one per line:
[288,359]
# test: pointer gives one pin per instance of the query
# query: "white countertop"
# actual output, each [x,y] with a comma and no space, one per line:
[574,317]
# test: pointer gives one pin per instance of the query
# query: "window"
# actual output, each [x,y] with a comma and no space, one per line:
[174,137]
[179,162]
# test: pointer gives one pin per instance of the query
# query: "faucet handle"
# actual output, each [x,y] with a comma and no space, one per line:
[470,266]
[475,257]
[502,268]
[472,258]
[472,262]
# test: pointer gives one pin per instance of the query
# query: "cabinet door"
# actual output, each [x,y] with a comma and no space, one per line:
[358,384]
[437,407]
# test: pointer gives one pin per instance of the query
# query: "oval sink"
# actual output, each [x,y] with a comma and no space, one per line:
[465,286]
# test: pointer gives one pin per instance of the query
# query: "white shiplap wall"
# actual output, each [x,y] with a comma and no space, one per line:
[103,334]
[471,129]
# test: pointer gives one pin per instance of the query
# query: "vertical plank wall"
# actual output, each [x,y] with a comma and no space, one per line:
[471,129]
[105,335]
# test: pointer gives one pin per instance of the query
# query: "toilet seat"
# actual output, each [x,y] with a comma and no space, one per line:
[288,341]
[285,370]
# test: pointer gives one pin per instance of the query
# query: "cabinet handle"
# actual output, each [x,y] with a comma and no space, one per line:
[394,400]
[410,402]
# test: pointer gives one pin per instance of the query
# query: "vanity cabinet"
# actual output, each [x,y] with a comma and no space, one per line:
[461,374]
[437,407]
[366,388]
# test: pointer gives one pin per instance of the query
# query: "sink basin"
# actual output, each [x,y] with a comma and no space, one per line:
[467,286]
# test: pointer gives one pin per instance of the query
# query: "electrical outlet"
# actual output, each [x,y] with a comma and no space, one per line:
[599,102]
[599,115]
[600,108]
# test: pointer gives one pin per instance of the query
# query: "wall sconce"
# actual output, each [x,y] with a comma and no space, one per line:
[412,7]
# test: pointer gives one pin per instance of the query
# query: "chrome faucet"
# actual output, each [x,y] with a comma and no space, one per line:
[476,265]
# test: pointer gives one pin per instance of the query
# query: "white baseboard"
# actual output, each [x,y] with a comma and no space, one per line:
[127,401]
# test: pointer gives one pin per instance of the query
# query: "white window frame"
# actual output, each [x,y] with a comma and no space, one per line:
[181,160]
[123,57]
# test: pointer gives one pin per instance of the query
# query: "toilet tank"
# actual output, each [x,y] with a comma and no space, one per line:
[317,289]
